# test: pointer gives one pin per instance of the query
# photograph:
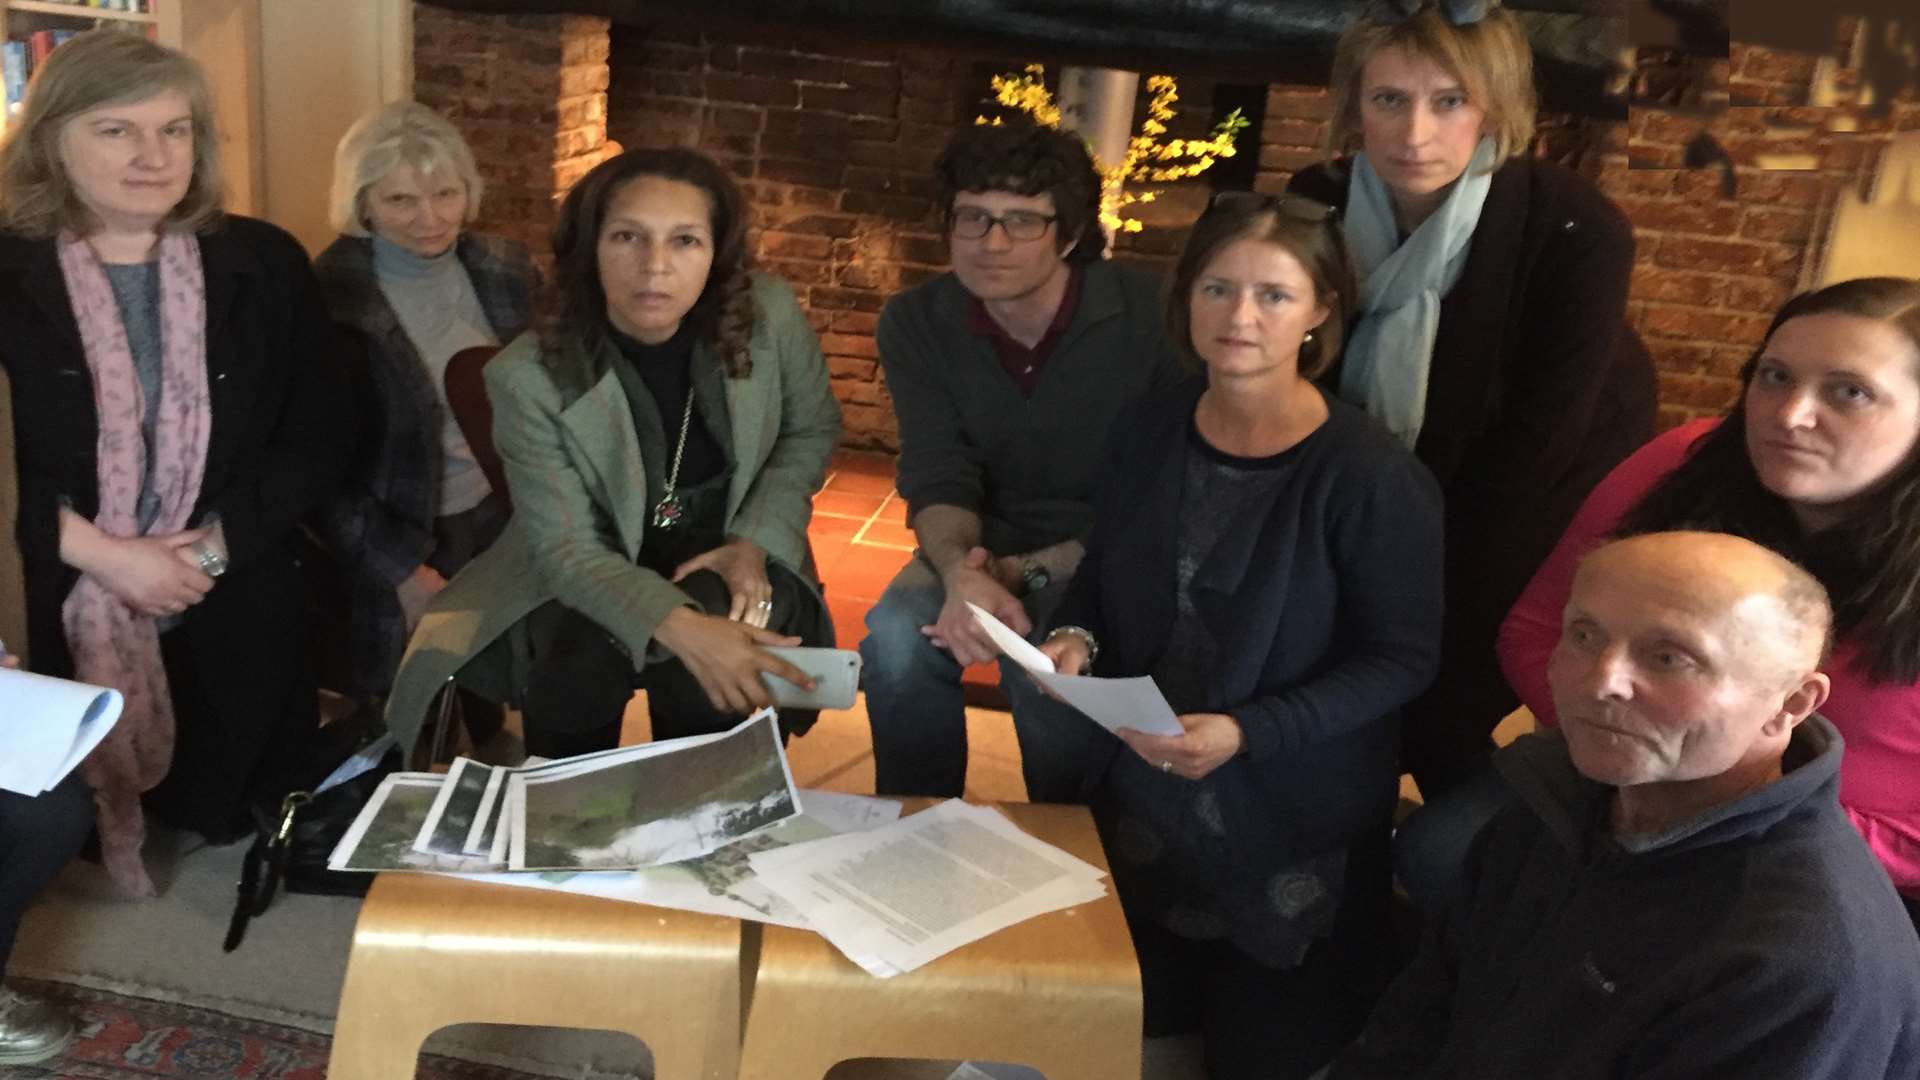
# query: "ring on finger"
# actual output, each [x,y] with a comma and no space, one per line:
[765,605]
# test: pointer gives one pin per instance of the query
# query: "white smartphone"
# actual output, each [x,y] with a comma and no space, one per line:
[835,673]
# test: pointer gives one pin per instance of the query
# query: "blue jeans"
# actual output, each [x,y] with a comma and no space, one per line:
[1430,847]
[918,711]
[38,836]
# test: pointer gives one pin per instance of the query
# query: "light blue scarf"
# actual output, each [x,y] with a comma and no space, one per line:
[1384,370]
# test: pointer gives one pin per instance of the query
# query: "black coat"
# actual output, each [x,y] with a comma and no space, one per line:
[1761,939]
[280,439]
[1325,606]
[1538,387]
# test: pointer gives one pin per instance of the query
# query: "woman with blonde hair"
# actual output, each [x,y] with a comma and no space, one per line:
[416,287]
[176,411]
[1491,335]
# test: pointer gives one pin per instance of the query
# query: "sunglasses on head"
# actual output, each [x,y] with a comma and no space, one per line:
[1297,207]
[1456,12]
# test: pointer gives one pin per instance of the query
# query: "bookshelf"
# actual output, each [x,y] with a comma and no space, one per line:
[223,35]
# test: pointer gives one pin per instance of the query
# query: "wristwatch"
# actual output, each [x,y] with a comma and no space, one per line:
[212,563]
[1033,577]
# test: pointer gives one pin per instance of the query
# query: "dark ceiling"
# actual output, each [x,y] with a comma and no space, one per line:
[1248,41]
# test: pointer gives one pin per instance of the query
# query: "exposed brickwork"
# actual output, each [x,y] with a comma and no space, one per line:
[529,92]
[1712,269]
[835,148]
[835,152]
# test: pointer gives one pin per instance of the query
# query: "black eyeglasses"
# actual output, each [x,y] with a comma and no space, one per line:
[973,223]
[1457,12]
[1297,207]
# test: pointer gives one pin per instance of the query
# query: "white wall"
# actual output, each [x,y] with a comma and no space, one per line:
[322,65]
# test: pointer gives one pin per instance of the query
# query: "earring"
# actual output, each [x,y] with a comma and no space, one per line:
[1307,338]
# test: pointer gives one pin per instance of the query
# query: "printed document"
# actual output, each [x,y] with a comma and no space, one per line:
[896,897]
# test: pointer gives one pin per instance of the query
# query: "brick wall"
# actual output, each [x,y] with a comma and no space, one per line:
[529,93]
[835,153]
[834,146]
[1711,269]
[835,150]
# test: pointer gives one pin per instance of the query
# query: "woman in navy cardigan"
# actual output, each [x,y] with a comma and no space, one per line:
[1272,557]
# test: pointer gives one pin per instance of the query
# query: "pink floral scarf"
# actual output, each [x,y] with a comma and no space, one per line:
[113,645]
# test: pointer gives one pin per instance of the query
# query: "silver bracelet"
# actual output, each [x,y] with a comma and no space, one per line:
[1084,634]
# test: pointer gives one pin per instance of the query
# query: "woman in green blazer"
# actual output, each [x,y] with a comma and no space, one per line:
[662,439]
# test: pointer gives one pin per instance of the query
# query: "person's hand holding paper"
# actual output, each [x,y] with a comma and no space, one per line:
[1135,703]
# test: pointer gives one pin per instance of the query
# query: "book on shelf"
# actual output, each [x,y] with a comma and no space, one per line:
[26,50]
[13,67]
[132,7]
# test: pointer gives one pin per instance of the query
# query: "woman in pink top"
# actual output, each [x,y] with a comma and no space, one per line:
[1817,460]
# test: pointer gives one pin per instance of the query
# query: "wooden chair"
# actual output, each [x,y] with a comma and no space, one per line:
[431,951]
[467,398]
[1060,993]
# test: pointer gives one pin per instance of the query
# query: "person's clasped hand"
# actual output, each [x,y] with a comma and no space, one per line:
[1210,741]
[742,564]
[153,575]
[972,580]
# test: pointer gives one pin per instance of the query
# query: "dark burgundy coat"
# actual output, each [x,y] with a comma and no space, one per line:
[1538,387]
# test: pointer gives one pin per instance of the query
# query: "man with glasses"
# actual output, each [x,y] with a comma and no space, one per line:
[1005,374]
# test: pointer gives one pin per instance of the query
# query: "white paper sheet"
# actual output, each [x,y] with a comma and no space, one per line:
[48,726]
[896,897]
[1135,703]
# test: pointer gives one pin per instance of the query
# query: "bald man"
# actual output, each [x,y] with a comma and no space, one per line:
[1674,891]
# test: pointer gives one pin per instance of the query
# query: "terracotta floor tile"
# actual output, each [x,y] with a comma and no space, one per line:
[833,530]
[849,619]
[865,463]
[860,483]
[894,510]
[863,573]
[847,504]
[887,534]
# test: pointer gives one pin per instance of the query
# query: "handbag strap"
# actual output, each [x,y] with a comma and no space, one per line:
[262,870]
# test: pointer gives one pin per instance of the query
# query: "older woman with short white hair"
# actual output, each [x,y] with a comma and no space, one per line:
[418,288]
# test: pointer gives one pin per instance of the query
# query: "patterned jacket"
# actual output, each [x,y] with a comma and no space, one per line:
[380,528]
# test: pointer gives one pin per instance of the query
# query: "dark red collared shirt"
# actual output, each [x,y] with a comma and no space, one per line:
[1020,362]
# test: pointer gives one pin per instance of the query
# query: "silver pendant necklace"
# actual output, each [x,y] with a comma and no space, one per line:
[668,511]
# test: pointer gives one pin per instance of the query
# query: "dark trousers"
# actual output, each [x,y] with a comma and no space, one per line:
[1256,1022]
[38,836]
[917,707]
[236,734]
[582,678]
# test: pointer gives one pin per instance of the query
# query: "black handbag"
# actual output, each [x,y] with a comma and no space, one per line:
[294,838]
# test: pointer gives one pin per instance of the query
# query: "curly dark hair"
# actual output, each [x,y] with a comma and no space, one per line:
[722,316]
[1871,564]
[1022,157]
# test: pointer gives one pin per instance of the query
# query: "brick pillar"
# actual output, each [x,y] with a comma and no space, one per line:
[529,92]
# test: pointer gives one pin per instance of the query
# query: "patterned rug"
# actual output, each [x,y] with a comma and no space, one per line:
[123,1037]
